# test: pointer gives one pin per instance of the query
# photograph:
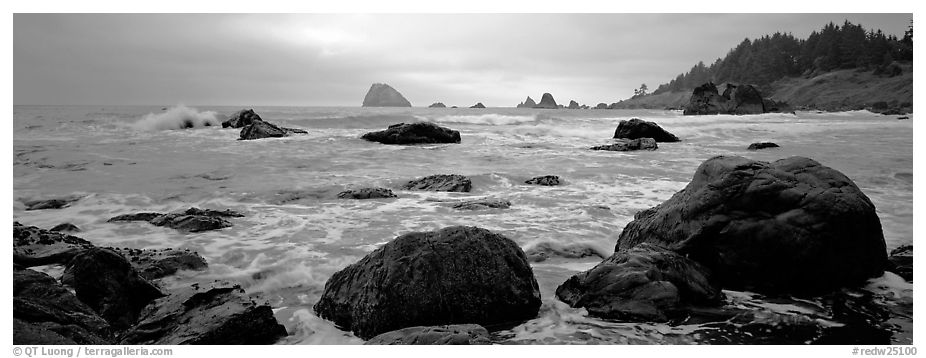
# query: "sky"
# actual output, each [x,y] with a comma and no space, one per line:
[332,59]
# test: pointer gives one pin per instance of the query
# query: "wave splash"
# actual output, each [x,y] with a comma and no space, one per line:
[178,117]
[487,119]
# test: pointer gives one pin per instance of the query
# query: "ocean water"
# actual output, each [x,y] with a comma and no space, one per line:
[296,233]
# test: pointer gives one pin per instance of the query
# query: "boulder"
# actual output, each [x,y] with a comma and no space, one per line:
[791,226]
[437,105]
[455,334]
[45,311]
[478,105]
[54,203]
[65,227]
[745,99]
[528,103]
[414,133]
[762,145]
[624,145]
[261,129]
[242,118]
[383,95]
[33,246]
[736,99]
[156,263]
[547,102]
[219,313]
[366,193]
[545,250]
[108,283]
[482,204]
[441,182]
[546,180]
[644,283]
[573,105]
[901,262]
[637,128]
[454,275]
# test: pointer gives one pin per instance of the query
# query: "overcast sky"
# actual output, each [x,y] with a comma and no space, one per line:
[322,59]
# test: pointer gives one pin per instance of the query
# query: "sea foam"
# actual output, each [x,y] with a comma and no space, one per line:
[179,117]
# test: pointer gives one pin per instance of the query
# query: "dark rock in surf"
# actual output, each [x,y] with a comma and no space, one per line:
[644,283]
[242,118]
[45,312]
[625,145]
[545,250]
[157,263]
[54,203]
[762,145]
[546,180]
[901,262]
[33,246]
[437,105]
[65,227]
[528,103]
[218,314]
[414,133]
[547,102]
[636,128]
[791,226]
[736,99]
[441,182]
[455,334]
[367,193]
[483,204]
[383,95]
[190,223]
[134,217]
[261,129]
[478,105]
[227,213]
[454,275]
[108,283]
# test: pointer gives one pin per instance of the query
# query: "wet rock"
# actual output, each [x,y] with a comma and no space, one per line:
[791,226]
[437,105]
[190,223]
[441,182]
[762,145]
[242,118]
[636,128]
[626,145]
[134,217]
[367,193]
[546,180]
[108,284]
[451,276]
[901,262]
[478,105]
[547,102]
[46,311]
[157,263]
[383,95]
[65,227]
[903,117]
[33,246]
[528,103]
[414,133]
[482,204]
[545,250]
[456,334]
[261,129]
[54,203]
[644,283]
[227,213]
[220,313]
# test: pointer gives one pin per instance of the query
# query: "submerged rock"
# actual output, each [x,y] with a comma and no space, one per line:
[455,334]
[437,105]
[791,226]
[227,213]
[45,312]
[762,145]
[65,227]
[367,193]
[441,182]
[901,262]
[33,246]
[546,180]
[644,283]
[528,103]
[482,204]
[383,95]
[547,102]
[636,128]
[134,217]
[108,283]
[54,203]
[454,275]
[414,133]
[218,314]
[478,105]
[157,263]
[242,118]
[625,145]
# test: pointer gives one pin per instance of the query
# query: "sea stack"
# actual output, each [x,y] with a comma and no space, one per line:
[383,95]
[528,103]
[547,101]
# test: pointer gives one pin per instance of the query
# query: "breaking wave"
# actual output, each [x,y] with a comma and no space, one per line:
[179,117]
[488,119]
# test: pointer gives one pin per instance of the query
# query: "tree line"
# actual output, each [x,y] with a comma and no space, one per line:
[769,58]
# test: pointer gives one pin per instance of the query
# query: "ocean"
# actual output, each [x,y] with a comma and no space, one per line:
[296,233]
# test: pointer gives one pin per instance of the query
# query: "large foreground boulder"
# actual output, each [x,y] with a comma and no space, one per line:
[636,128]
[218,314]
[645,283]
[45,312]
[414,133]
[33,246]
[736,99]
[547,102]
[441,182]
[791,226]
[383,95]
[108,283]
[242,118]
[455,334]
[454,275]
